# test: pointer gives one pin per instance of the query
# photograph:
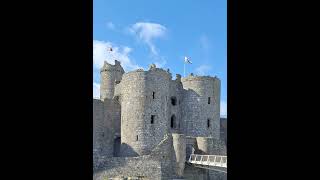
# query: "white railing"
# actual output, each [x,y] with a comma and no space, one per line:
[208,160]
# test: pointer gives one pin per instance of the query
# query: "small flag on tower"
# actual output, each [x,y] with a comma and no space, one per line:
[110,49]
[187,60]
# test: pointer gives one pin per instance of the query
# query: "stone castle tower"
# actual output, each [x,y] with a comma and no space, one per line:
[110,75]
[145,116]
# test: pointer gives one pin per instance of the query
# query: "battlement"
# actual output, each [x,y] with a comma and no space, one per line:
[152,70]
[191,77]
[110,67]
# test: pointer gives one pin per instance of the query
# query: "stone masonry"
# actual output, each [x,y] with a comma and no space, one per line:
[146,124]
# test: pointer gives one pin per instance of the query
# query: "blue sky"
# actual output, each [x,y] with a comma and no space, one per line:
[142,32]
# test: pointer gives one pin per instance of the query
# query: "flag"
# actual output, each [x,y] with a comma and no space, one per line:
[110,49]
[187,60]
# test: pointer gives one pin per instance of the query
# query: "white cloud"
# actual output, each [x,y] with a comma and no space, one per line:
[101,54]
[110,26]
[96,91]
[223,109]
[202,70]
[147,32]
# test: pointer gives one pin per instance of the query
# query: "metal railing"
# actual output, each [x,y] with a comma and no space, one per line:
[208,160]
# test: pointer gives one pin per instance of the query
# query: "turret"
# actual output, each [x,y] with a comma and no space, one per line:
[110,75]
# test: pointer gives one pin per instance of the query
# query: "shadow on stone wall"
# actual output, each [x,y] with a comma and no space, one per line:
[116,147]
[127,151]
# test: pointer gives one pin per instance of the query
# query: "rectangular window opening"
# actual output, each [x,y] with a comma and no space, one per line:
[152,119]
[153,94]
[208,100]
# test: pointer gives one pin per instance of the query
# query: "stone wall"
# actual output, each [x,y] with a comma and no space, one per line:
[193,173]
[201,106]
[144,110]
[223,129]
[175,105]
[102,130]
[112,116]
[164,152]
[166,162]
[142,166]
[179,145]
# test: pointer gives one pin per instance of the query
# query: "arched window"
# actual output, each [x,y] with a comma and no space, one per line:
[173,100]
[173,122]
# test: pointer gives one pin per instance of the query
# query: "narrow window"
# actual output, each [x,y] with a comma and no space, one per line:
[208,123]
[153,94]
[152,119]
[173,100]
[137,138]
[208,100]
[173,121]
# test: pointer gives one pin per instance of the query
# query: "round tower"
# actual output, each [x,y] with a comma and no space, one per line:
[110,75]
[201,106]
[144,103]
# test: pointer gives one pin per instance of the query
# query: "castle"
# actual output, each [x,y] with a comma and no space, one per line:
[146,124]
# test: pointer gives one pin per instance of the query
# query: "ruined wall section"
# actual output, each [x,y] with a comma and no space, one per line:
[110,75]
[143,96]
[201,106]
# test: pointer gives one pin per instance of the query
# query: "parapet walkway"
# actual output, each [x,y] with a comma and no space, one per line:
[211,162]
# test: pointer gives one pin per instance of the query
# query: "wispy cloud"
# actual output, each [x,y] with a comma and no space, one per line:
[111,26]
[202,70]
[223,109]
[147,32]
[204,42]
[96,91]
[120,53]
